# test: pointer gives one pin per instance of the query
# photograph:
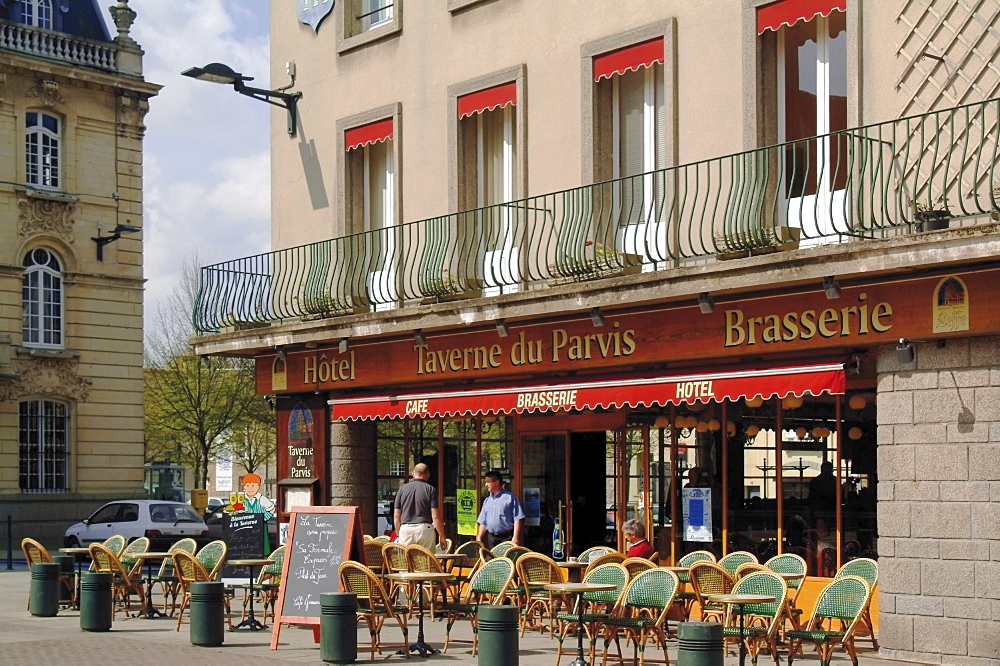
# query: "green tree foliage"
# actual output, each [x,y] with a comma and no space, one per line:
[195,408]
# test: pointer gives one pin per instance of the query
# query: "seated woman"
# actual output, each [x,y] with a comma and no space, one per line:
[635,536]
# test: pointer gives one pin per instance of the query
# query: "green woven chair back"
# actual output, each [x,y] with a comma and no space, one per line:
[710,578]
[516,552]
[501,548]
[492,578]
[211,555]
[188,545]
[470,549]
[653,588]
[276,557]
[373,553]
[394,557]
[486,555]
[382,538]
[115,544]
[593,553]
[732,561]
[843,599]
[140,545]
[696,556]
[788,563]
[105,559]
[863,567]
[765,583]
[419,558]
[614,557]
[606,574]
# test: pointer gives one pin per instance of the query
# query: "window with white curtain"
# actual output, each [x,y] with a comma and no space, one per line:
[41,149]
[638,121]
[495,154]
[43,446]
[42,299]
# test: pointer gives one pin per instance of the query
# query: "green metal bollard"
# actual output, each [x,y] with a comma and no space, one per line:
[498,635]
[96,600]
[207,616]
[338,627]
[43,598]
[700,644]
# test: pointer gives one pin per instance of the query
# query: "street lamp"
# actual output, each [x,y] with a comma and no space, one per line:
[217,72]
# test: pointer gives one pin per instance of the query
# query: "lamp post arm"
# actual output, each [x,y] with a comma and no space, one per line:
[287,101]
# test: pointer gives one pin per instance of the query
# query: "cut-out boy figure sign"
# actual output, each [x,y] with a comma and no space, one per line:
[252,501]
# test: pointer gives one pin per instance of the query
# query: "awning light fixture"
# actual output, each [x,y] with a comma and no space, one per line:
[831,287]
[705,303]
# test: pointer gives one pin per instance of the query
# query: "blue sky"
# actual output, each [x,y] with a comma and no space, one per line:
[206,160]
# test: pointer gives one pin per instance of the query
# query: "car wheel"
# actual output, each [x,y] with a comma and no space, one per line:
[73,542]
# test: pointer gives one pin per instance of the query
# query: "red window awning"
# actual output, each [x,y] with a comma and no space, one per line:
[487,99]
[631,391]
[629,58]
[790,12]
[356,137]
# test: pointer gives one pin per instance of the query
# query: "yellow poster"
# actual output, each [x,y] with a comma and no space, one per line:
[467,514]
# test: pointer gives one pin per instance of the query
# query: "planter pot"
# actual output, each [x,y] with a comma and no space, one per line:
[932,220]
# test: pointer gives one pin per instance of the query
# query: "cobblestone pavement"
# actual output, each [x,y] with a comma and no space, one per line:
[25,639]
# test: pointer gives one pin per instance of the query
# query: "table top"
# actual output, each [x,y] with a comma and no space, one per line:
[448,556]
[147,556]
[572,565]
[678,569]
[250,562]
[419,575]
[74,551]
[740,598]
[581,587]
[791,576]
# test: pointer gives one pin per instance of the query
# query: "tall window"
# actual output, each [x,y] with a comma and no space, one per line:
[375,13]
[42,299]
[41,149]
[43,446]
[371,173]
[37,13]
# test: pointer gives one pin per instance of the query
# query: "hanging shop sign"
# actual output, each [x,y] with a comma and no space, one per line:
[789,323]
[312,12]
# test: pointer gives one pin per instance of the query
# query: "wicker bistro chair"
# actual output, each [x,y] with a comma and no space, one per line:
[748,568]
[761,621]
[642,614]
[381,538]
[375,605]
[131,564]
[34,553]
[790,563]
[686,596]
[709,578]
[465,567]
[516,552]
[534,572]
[596,551]
[124,585]
[501,548]
[489,585]
[266,585]
[189,570]
[868,569]
[732,561]
[394,561]
[614,557]
[844,599]
[212,556]
[115,543]
[419,558]
[636,565]
[598,605]
[448,544]
[167,578]
[373,555]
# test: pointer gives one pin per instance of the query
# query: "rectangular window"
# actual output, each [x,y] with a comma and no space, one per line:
[41,150]
[364,21]
[43,446]
[375,13]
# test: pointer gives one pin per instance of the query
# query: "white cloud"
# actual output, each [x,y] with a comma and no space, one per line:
[206,153]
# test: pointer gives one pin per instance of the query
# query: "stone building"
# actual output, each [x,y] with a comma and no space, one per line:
[728,267]
[72,103]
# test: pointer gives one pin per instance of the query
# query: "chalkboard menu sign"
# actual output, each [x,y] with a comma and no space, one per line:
[319,539]
[244,537]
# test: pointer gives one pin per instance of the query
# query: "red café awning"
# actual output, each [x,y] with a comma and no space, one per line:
[629,58]
[356,137]
[632,391]
[790,12]
[487,99]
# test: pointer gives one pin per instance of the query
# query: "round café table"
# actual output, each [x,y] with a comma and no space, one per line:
[76,553]
[579,589]
[251,622]
[573,569]
[150,610]
[740,601]
[420,577]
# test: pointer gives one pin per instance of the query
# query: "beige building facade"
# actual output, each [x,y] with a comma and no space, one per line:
[72,103]
[727,267]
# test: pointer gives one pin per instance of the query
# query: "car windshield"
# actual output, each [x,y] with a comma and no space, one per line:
[173,513]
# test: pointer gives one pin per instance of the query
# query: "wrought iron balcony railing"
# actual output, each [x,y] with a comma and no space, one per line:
[890,178]
[57,46]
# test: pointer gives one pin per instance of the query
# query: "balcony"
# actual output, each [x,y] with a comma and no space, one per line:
[57,46]
[888,179]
